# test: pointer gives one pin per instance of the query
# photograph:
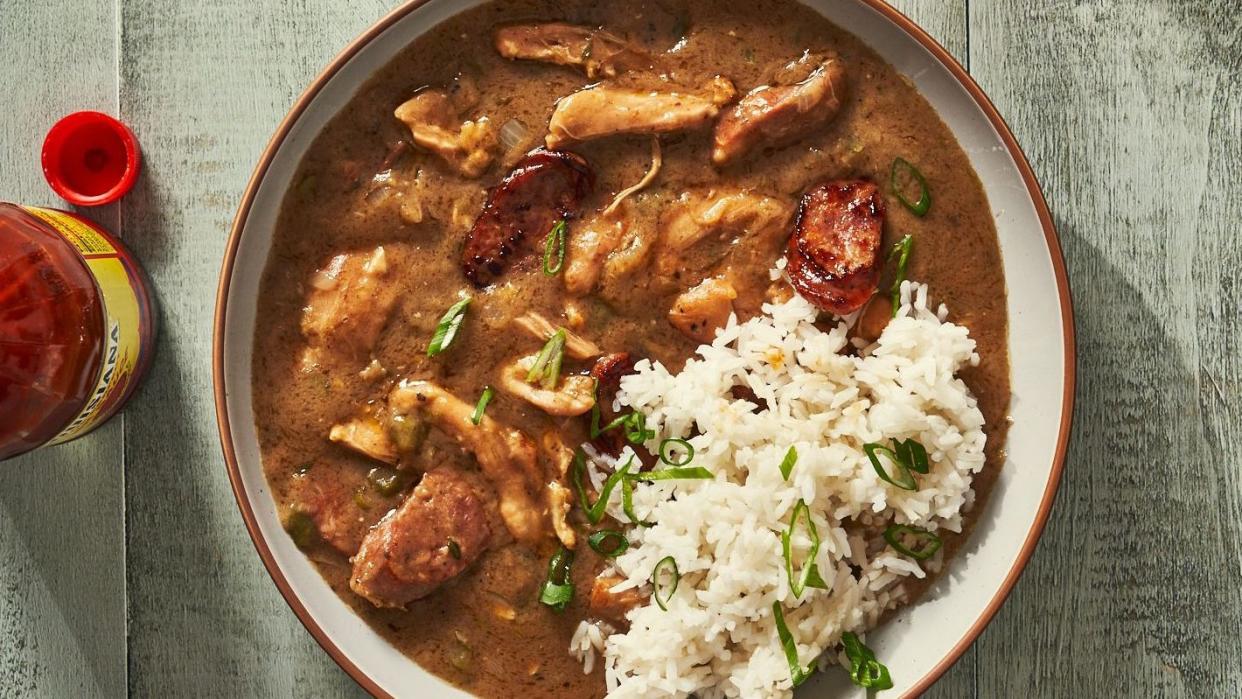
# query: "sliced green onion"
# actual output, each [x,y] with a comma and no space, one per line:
[558,589]
[595,512]
[547,367]
[477,416]
[865,670]
[787,464]
[900,252]
[600,543]
[664,585]
[446,329]
[903,468]
[796,671]
[634,424]
[809,577]
[926,543]
[666,451]
[899,180]
[679,473]
[627,502]
[454,549]
[555,246]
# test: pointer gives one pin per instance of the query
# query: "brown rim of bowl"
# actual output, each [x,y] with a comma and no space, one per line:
[907,25]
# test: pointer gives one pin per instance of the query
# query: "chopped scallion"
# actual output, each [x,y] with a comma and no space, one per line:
[558,589]
[865,670]
[796,672]
[608,543]
[676,473]
[554,249]
[809,576]
[787,464]
[595,511]
[667,451]
[901,177]
[664,578]
[900,252]
[547,367]
[446,329]
[908,457]
[477,416]
[627,502]
[926,543]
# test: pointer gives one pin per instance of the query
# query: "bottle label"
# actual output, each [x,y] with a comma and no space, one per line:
[123,331]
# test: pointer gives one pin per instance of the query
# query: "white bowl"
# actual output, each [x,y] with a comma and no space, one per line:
[922,641]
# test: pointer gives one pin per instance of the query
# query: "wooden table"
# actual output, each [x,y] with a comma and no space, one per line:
[124,566]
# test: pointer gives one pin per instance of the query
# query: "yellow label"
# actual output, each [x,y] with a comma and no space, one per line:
[122,319]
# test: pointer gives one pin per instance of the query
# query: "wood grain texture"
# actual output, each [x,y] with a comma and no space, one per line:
[62,583]
[204,85]
[1131,113]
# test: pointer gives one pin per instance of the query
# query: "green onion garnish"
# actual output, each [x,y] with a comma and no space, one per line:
[908,457]
[634,425]
[664,585]
[547,367]
[446,329]
[595,512]
[926,543]
[555,245]
[666,451]
[454,549]
[900,251]
[477,416]
[865,670]
[787,464]
[677,473]
[809,577]
[902,176]
[796,671]
[558,589]
[600,542]
[627,502]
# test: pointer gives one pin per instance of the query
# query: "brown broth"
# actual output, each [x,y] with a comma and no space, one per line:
[333,208]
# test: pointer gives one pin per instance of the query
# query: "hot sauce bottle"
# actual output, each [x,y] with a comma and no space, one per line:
[76,325]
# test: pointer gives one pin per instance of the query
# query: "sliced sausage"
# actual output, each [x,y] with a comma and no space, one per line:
[833,256]
[607,373]
[543,188]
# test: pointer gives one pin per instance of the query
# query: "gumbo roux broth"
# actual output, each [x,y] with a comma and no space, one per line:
[485,630]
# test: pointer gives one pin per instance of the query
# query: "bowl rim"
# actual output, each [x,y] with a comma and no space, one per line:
[893,15]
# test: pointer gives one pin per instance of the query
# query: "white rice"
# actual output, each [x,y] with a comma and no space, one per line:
[718,636]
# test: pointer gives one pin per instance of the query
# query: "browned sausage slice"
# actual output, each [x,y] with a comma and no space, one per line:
[543,188]
[833,256]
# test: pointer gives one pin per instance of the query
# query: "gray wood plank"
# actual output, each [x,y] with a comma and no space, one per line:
[1130,113]
[204,85]
[62,582]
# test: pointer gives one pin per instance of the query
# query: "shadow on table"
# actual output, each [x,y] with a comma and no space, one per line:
[62,580]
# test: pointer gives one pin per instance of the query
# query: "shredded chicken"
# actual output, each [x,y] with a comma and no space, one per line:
[776,115]
[468,147]
[560,497]
[702,310]
[656,160]
[609,247]
[574,394]
[576,346]
[347,308]
[595,51]
[366,436]
[506,456]
[607,110]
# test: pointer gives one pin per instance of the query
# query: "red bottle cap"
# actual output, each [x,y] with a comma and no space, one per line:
[90,158]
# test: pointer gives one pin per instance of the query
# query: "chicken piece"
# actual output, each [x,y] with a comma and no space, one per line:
[506,456]
[560,500]
[576,346]
[367,437]
[608,110]
[438,532]
[544,188]
[701,311]
[347,308]
[723,211]
[574,394]
[610,606]
[329,502]
[609,247]
[468,147]
[595,51]
[777,115]
[833,256]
